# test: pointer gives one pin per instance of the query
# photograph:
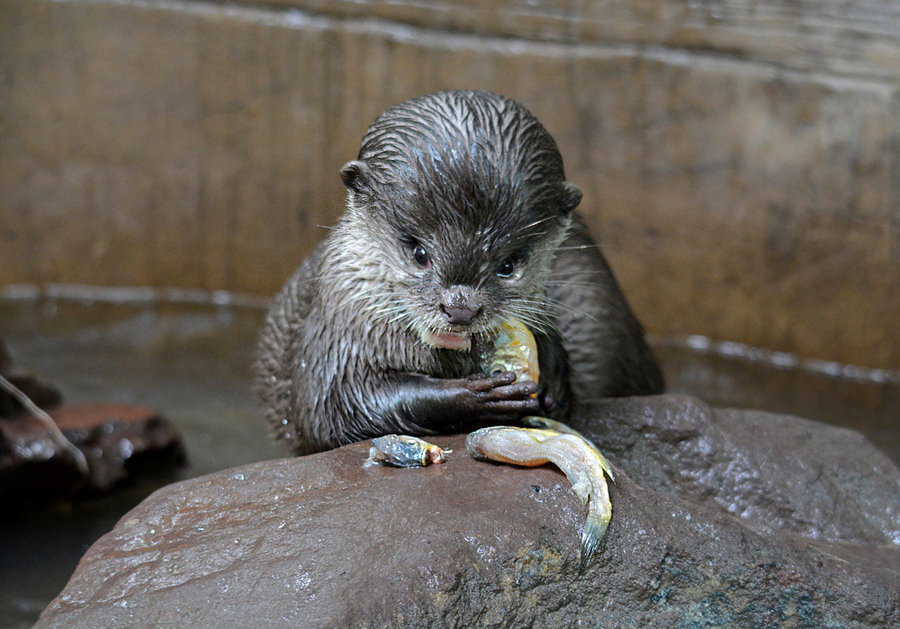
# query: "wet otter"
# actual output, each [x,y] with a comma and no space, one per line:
[458,218]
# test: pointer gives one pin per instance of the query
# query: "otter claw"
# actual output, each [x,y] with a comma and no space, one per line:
[581,462]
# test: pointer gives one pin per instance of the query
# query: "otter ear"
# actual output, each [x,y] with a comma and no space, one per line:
[355,175]
[571,196]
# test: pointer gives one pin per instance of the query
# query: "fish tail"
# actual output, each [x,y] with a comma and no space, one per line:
[599,514]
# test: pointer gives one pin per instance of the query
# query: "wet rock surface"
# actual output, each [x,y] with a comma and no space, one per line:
[775,472]
[719,517]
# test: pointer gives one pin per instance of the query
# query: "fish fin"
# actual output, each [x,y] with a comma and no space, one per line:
[594,530]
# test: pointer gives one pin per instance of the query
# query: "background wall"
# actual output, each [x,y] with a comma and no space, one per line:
[740,160]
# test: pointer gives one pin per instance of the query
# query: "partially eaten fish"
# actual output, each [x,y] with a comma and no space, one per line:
[404,451]
[545,422]
[515,350]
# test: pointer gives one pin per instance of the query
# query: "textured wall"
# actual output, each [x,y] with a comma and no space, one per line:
[740,161]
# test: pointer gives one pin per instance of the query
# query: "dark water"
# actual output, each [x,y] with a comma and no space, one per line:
[869,407]
[192,362]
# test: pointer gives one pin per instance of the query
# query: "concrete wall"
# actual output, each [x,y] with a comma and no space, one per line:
[740,161]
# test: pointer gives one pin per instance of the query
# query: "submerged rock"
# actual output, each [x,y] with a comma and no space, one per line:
[116,440]
[719,518]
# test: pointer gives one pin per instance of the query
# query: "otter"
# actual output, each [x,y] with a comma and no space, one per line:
[458,217]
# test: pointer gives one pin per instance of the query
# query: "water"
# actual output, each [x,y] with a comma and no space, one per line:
[192,361]
[868,402]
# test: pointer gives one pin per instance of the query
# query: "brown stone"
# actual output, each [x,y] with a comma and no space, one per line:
[119,442]
[740,163]
[322,541]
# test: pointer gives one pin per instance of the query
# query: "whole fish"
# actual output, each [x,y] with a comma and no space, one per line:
[579,461]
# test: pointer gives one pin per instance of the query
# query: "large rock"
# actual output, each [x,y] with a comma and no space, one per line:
[775,472]
[736,518]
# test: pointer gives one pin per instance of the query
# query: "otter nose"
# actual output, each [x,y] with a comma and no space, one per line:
[459,314]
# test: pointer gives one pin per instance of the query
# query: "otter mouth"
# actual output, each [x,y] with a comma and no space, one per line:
[446,339]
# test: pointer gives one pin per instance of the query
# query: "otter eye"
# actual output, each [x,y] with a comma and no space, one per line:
[420,256]
[507,268]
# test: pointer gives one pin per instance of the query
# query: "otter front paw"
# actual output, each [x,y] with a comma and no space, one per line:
[423,404]
[498,397]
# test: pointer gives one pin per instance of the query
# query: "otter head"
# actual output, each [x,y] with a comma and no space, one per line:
[463,201]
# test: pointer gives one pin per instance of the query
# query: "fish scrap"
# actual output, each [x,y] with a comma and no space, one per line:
[404,451]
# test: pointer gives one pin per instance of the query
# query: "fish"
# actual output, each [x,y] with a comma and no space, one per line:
[543,440]
[514,349]
[582,464]
[404,451]
[533,421]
